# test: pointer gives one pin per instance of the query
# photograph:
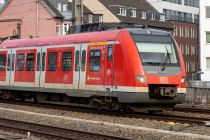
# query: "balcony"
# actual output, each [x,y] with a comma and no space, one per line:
[178,18]
[67,14]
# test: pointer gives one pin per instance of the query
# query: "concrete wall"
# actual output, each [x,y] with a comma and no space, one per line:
[26,10]
[205,47]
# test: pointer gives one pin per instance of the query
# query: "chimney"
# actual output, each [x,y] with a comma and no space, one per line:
[77,12]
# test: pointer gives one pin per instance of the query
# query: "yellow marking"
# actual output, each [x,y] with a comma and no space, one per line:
[97,43]
[171,123]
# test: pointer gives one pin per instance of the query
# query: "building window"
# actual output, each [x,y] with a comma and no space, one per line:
[133,13]
[30,62]
[100,18]
[144,15]
[59,6]
[20,62]
[181,31]
[208,37]
[95,58]
[123,11]
[192,33]
[162,18]
[64,7]
[207,12]
[90,18]
[192,49]
[57,29]
[67,61]
[2,62]
[52,61]
[153,16]
[187,32]
[66,28]
[208,62]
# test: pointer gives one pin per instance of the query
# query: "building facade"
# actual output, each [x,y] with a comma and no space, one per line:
[205,39]
[184,15]
[138,12]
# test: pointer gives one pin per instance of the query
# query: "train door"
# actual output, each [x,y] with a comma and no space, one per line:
[40,67]
[11,67]
[109,69]
[79,79]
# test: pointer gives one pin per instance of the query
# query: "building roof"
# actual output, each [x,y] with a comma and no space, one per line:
[51,9]
[139,5]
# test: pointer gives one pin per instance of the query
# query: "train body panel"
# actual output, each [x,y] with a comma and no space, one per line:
[124,64]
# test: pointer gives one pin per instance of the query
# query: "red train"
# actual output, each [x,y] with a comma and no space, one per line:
[137,67]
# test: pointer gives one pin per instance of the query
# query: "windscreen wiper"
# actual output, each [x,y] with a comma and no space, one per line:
[167,58]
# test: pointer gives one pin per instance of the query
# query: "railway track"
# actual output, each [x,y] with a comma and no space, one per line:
[52,132]
[192,109]
[160,117]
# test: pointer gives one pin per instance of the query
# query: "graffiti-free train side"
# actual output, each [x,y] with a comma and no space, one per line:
[140,68]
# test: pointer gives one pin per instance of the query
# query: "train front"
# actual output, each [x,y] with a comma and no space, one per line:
[163,66]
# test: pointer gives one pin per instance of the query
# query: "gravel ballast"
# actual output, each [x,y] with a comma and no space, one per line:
[120,126]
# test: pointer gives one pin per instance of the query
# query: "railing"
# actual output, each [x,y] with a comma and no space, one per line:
[179,18]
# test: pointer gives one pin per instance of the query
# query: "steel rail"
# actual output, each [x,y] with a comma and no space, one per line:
[53,132]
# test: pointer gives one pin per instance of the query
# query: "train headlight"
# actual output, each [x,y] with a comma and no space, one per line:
[141,79]
[183,80]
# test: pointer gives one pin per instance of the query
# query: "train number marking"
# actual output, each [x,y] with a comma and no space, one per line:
[164,80]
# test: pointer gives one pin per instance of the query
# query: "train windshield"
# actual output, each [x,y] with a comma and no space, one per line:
[156,50]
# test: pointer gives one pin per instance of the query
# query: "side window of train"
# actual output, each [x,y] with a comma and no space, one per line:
[43,61]
[2,62]
[83,60]
[95,56]
[30,62]
[8,62]
[52,61]
[67,61]
[38,62]
[77,61]
[110,53]
[20,62]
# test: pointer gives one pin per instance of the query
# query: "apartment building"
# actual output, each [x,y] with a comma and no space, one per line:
[132,12]
[205,39]
[184,16]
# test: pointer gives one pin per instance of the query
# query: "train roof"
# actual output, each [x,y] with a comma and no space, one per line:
[77,38]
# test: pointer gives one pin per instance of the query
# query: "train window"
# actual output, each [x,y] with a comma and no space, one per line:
[30,62]
[110,53]
[95,56]
[43,61]
[2,62]
[52,61]
[83,60]
[8,62]
[38,62]
[77,61]
[20,62]
[67,61]
[13,62]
